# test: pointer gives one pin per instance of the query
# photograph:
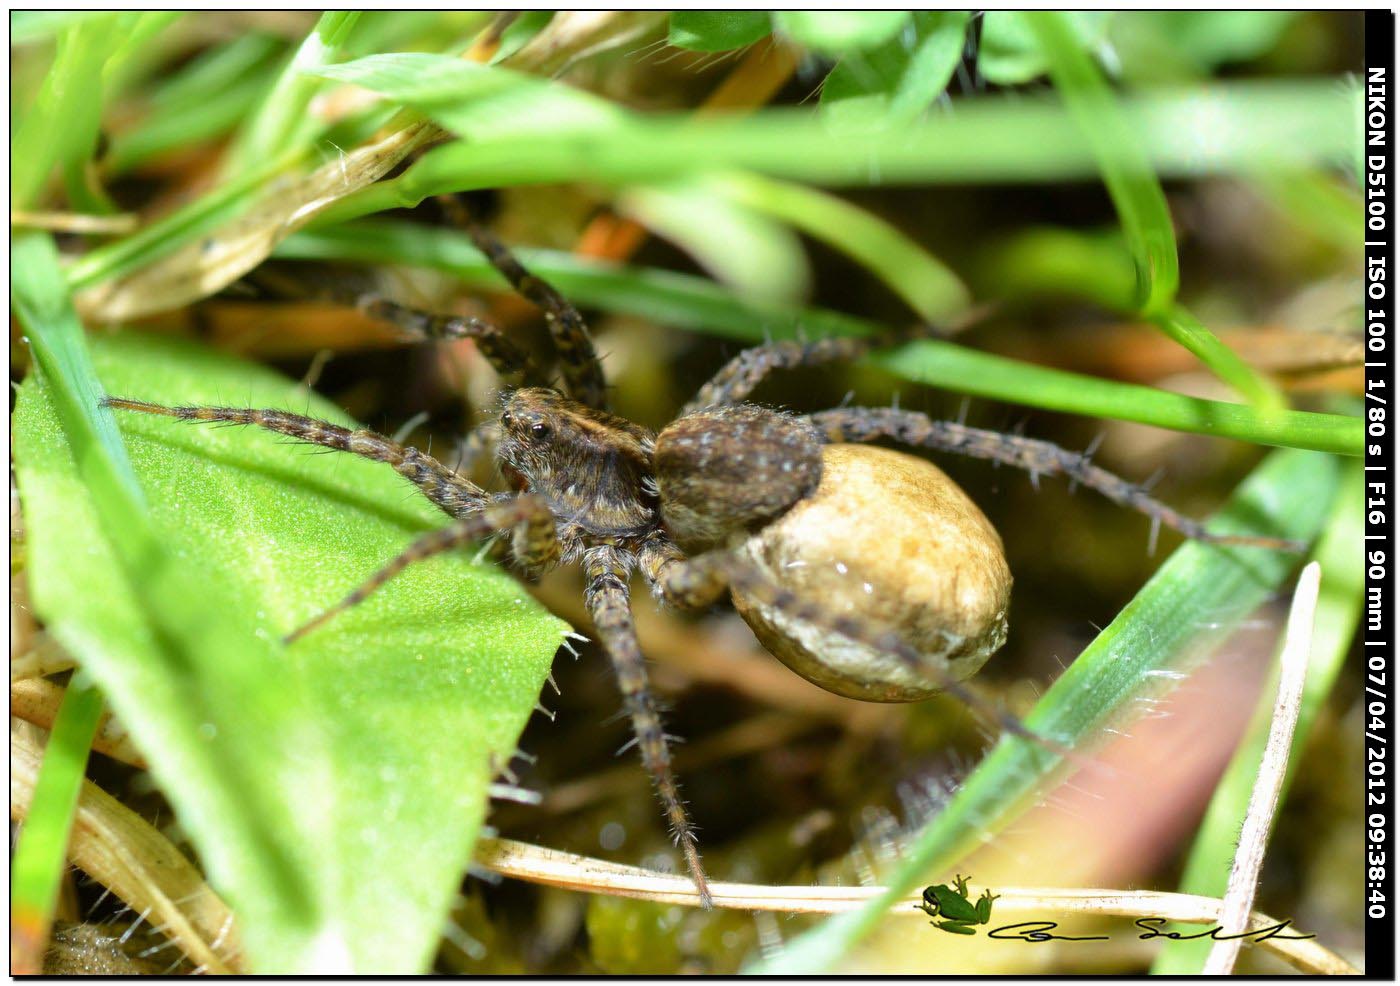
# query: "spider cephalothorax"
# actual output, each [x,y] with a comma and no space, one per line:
[592,468]
[728,497]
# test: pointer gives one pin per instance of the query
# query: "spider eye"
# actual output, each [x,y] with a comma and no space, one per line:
[506,420]
[539,429]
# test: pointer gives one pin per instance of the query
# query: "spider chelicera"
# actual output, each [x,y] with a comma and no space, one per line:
[593,488]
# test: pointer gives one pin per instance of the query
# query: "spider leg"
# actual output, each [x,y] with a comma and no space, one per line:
[416,325]
[678,581]
[505,356]
[456,496]
[858,424]
[724,567]
[738,378]
[609,605]
[582,370]
[534,542]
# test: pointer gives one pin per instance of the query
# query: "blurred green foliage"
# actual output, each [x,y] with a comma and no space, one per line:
[1191,169]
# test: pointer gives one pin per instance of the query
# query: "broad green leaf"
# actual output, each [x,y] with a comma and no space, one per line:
[334,788]
[901,78]
[718,30]
[695,303]
[838,31]
[1187,609]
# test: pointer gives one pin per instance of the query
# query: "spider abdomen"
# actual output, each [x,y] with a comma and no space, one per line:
[889,540]
[728,470]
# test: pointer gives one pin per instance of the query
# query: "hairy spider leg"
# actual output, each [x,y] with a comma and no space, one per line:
[583,372]
[413,324]
[738,378]
[534,544]
[456,496]
[609,604]
[682,581]
[1037,457]
[678,580]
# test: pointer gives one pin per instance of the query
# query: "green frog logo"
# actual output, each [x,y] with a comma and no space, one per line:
[959,915]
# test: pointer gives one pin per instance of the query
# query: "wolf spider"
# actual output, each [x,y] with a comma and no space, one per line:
[594,488]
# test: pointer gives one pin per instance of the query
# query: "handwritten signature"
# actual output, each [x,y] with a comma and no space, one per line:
[1042,931]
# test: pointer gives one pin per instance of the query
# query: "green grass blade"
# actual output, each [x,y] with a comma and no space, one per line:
[1338,615]
[926,284]
[481,102]
[282,123]
[1225,128]
[61,127]
[29,26]
[144,46]
[1141,204]
[943,364]
[740,245]
[40,854]
[520,32]
[694,303]
[1195,338]
[39,295]
[206,99]
[170,232]
[1048,261]
[1197,597]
